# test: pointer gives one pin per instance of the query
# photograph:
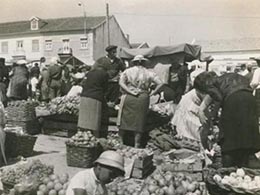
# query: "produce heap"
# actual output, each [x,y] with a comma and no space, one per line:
[171,183]
[34,168]
[133,153]
[83,138]
[54,185]
[239,179]
[64,105]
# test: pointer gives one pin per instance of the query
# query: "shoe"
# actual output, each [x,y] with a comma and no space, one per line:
[253,162]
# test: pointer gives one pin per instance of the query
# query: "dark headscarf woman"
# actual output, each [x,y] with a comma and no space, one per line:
[239,131]
[135,83]
[19,81]
[93,110]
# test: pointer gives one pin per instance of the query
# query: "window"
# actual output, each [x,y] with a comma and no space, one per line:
[4,47]
[34,24]
[66,46]
[84,43]
[19,45]
[48,45]
[35,45]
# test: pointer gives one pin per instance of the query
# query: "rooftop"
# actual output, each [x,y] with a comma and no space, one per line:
[51,25]
[242,44]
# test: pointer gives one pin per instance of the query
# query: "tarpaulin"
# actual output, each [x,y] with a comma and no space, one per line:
[167,54]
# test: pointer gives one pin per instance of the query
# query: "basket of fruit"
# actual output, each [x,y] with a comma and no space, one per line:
[233,181]
[82,150]
[19,144]
[21,110]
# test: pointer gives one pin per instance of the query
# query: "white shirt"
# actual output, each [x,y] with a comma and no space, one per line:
[88,181]
[75,90]
[255,83]
[34,82]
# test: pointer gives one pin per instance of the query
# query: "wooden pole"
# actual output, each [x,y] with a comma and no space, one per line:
[107,19]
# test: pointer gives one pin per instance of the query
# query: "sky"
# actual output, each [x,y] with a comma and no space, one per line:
[157,22]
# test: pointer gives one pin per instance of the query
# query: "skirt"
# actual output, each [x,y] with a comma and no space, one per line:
[239,123]
[93,115]
[132,115]
[257,96]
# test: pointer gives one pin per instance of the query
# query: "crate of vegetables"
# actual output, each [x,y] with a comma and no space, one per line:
[82,150]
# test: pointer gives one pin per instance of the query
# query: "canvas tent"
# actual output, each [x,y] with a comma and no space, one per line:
[167,54]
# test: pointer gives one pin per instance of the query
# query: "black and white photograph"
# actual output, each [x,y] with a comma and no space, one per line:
[137,97]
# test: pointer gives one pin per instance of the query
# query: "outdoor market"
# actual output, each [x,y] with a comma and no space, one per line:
[153,121]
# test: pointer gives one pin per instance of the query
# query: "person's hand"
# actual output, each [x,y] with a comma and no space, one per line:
[202,117]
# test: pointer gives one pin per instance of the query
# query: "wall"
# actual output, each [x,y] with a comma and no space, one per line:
[232,58]
[27,48]
[117,37]
[85,55]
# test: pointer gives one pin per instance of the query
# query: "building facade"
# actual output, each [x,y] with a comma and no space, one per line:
[233,52]
[85,38]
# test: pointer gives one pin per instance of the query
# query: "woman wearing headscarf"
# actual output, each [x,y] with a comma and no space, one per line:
[19,81]
[135,83]
[239,130]
[93,110]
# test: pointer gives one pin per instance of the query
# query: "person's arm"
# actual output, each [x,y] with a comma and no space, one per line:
[159,84]
[122,83]
[203,106]
[78,191]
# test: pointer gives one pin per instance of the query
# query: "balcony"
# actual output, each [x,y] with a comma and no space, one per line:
[65,50]
[19,54]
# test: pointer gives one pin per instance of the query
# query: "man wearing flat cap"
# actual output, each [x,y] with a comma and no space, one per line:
[113,66]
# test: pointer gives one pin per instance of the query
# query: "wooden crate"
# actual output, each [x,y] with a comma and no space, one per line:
[141,173]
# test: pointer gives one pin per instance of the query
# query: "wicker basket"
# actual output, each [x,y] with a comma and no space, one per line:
[30,127]
[16,144]
[215,188]
[82,156]
[21,111]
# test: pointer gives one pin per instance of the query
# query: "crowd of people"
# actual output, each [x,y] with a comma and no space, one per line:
[234,99]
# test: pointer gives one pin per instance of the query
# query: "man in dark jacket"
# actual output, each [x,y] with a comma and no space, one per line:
[55,75]
[113,66]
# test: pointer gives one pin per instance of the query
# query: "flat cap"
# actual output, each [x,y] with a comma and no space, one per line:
[111,47]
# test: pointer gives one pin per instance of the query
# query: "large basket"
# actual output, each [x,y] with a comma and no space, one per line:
[19,145]
[21,111]
[215,188]
[81,156]
[30,127]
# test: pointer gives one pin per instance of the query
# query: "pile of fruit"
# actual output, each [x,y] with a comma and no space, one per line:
[128,187]
[54,185]
[239,179]
[113,140]
[64,105]
[83,138]
[133,153]
[169,183]
[34,168]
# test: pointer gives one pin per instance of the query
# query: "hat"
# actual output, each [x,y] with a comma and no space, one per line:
[21,62]
[111,47]
[79,75]
[112,159]
[139,58]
